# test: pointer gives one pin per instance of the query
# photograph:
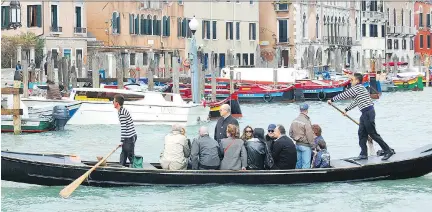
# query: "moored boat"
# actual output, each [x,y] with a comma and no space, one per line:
[252,93]
[59,169]
[29,125]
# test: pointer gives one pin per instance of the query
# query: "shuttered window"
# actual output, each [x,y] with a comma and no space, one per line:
[185,27]
[229,31]
[5,17]
[237,30]
[149,25]
[155,28]
[143,27]
[214,30]
[34,16]
[283,30]
[252,31]
[166,26]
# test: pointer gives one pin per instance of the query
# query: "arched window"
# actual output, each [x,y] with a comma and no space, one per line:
[421,16]
[149,25]
[402,17]
[155,26]
[143,25]
[304,25]
[115,23]
[179,27]
[410,15]
[356,30]
[166,26]
[317,26]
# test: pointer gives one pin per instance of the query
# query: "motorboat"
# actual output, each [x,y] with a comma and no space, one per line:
[145,107]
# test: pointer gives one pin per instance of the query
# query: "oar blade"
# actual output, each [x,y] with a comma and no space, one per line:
[68,190]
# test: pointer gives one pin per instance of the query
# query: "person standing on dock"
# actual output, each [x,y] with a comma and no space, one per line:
[223,122]
[364,102]
[128,133]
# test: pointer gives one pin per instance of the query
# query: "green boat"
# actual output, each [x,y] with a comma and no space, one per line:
[29,125]
[411,84]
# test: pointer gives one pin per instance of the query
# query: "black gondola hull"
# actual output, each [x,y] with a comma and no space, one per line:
[53,172]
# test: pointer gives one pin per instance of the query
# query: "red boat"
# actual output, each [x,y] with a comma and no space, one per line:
[250,93]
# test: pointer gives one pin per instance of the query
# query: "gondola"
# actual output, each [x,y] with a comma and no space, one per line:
[58,169]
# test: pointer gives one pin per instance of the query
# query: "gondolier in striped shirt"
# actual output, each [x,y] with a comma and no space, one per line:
[367,120]
[128,133]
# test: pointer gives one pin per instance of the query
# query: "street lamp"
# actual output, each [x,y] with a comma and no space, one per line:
[193,57]
[15,15]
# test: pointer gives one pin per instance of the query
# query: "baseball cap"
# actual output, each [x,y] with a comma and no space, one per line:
[304,107]
[271,127]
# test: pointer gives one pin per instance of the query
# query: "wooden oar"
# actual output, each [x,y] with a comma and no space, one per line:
[67,191]
[371,146]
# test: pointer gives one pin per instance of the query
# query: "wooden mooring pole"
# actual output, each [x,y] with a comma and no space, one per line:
[16,111]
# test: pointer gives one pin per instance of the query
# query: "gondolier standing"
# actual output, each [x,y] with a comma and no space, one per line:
[367,119]
[128,133]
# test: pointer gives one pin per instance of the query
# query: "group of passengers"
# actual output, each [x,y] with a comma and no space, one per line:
[304,148]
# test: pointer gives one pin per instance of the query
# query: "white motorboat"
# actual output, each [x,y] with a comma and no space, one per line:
[145,107]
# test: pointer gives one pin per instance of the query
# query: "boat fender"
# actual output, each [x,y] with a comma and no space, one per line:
[405,84]
[267,98]
[322,96]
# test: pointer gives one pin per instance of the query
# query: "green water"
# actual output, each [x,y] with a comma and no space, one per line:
[403,119]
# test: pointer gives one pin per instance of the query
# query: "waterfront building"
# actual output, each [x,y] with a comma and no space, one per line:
[422,23]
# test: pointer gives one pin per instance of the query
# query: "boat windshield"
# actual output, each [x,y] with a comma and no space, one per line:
[103,96]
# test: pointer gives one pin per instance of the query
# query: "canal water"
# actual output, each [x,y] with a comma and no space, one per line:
[403,119]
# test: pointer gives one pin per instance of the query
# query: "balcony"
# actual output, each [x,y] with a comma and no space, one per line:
[398,30]
[391,30]
[80,30]
[409,31]
[373,16]
[56,29]
[340,40]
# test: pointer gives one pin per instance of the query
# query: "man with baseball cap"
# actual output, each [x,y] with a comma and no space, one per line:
[301,132]
[270,137]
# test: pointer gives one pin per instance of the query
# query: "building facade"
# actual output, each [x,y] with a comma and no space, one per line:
[422,23]
[63,25]
[311,34]
[276,33]
[401,32]
[373,33]
[137,31]
[226,28]
[325,34]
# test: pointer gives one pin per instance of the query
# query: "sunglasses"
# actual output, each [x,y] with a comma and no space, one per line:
[271,131]
[249,131]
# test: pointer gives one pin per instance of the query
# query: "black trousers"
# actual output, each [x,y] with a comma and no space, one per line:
[367,127]
[128,150]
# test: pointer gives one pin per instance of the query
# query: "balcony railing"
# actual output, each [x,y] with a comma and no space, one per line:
[56,29]
[340,40]
[373,15]
[391,29]
[80,30]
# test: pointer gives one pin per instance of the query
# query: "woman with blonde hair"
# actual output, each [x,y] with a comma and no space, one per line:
[247,133]
[233,151]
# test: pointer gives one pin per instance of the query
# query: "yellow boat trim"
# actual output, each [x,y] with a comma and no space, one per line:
[84,98]
[215,108]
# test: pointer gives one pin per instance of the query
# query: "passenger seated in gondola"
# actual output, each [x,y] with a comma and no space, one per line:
[176,150]
[317,131]
[233,151]
[258,156]
[284,150]
[322,157]
[205,152]
[247,133]
[270,137]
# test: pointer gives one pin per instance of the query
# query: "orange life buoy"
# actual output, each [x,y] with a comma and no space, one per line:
[186,63]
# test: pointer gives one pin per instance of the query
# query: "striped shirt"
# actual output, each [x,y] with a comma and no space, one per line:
[359,93]
[126,123]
